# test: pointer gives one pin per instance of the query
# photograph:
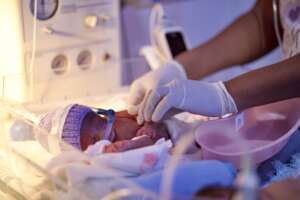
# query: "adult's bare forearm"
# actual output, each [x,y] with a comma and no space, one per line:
[266,85]
[249,37]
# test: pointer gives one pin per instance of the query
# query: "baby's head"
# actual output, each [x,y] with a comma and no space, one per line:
[75,124]
[80,126]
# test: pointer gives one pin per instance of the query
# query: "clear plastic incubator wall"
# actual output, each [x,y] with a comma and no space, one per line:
[57,52]
[53,52]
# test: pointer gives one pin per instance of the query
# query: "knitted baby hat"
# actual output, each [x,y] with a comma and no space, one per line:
[62,123]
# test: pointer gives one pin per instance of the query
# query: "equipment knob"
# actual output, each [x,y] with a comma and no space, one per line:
[91,21]
[106,57]
[48,30]
[104,18]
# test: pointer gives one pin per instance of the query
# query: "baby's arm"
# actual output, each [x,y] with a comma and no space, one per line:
[154,130]
[126,145]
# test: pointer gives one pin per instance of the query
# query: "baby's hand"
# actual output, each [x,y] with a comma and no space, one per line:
[119,146]
[149,129]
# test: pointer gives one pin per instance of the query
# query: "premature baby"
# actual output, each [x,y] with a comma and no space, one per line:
[81,127]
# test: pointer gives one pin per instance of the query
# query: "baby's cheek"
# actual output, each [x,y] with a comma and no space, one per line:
[84,142]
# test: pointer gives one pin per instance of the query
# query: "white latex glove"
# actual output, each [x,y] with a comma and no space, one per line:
[169,71]
[209,99]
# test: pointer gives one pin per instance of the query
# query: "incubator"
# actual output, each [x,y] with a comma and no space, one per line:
[66,51]
[51,48]
[56,52]
[53,52]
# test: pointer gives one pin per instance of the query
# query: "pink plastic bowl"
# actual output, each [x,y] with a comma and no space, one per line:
[260,132]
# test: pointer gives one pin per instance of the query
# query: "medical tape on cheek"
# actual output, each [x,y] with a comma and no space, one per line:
[107,134]
[110,120]
[108,131]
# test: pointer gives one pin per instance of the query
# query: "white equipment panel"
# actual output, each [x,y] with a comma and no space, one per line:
[77,48]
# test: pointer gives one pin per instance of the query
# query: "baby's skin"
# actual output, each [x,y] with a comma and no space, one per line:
[126,145]
[124,129]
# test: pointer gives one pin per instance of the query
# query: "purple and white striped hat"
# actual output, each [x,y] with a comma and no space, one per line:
[62,123]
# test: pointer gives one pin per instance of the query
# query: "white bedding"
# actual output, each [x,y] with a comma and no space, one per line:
[91,174]
[79,170]
[33,150]
[128,163]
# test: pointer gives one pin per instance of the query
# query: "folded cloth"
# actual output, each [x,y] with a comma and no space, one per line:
[284,164]
[98,180]
[141,160]
[189,178]
[77,167]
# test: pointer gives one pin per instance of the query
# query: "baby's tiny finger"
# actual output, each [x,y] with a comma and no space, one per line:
[108,149]
[149,133]
[141,132]
[152,134]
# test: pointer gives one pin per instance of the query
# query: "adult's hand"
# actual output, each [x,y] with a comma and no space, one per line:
[140,87]
[209,99]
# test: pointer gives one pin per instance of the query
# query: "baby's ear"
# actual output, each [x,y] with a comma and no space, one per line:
[125,114]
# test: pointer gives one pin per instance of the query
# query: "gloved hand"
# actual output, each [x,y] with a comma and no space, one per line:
[209,99]
[171,70]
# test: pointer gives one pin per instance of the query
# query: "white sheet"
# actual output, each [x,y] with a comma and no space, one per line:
[78,167]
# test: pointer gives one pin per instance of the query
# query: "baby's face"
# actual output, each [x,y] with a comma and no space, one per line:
[92,130]
[94,126]
[125,126]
